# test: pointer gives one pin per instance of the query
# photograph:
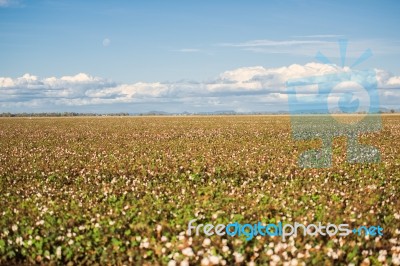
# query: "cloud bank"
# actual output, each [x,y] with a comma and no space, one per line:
[244,89]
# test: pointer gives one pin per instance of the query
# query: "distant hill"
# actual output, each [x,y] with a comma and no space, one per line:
[218,112]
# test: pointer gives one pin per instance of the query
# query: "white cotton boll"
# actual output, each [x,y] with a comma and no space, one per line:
[19,241]
[172,263]
[158,228]
[184,263]
[145,244]
[205,262]
[275,258]
[206,242]
[58,252]
[214,260]
[396,260]
[188,252]
[238,257]
[366,261]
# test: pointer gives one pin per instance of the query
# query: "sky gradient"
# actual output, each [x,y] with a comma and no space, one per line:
[175,56]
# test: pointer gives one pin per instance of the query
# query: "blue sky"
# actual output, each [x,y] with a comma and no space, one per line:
[131,42]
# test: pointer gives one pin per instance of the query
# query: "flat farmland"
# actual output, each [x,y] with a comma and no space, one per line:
[122,190]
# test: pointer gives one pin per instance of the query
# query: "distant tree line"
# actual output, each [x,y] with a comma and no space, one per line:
[62,114]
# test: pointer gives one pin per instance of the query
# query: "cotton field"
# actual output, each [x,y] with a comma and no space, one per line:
[121,191]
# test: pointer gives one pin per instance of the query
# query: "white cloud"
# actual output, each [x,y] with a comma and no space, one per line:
[80,78]
[6,82]
[7,3]
[188,50]
[308,45]
[272,43]
[4,2]
[130,91]
[322,36]
[242,74]
[303,46]
[386,80]
[242,88]
[393,81]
